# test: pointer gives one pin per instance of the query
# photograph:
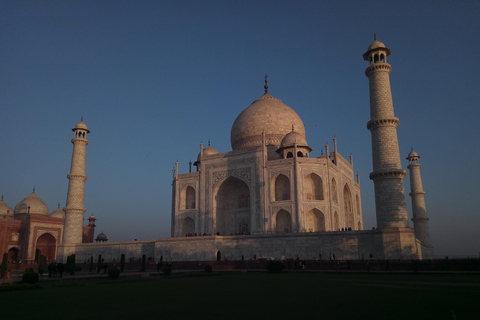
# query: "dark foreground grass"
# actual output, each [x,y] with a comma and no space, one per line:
[253,296]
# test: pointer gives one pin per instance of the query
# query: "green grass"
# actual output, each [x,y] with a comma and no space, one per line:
[253,296]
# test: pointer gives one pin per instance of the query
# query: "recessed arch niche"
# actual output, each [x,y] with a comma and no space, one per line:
[283,222]
[315,221]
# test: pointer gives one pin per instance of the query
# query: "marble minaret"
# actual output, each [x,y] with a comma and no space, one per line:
[75,208]
[419,210]
[387,172]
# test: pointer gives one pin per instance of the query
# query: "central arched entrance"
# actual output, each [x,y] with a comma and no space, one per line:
[232,201]
[47,246]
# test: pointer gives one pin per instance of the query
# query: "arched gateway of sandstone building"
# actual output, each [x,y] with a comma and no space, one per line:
[267,198]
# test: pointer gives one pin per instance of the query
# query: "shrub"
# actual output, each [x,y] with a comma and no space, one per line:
[30,277]
[275,266]
[208,268]
[4,264]
[28,270]
[113,273]
[99,263]
[167,270]
[143,265]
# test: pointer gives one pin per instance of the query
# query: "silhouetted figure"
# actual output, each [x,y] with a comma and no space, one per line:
[60,269]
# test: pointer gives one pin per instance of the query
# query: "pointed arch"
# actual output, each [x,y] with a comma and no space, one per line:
[232,207]
[46,245]
[313,187]
[315,221]
[187,198]
[348,207]
[282,188]
[283,222]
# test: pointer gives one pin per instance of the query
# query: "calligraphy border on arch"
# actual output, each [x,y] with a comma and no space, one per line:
[244,174]
[308,207]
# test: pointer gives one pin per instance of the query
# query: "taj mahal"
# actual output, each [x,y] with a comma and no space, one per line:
[266,198]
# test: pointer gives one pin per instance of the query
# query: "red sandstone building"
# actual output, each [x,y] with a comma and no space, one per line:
[29,230]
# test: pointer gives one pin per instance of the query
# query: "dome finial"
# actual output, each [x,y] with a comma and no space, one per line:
[33,189]
[209,142]
[374,37]
[266,85]
[293,129]
[81,119]
[59,205]
[2,198]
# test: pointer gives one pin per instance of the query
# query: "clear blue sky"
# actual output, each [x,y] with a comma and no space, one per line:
[153,79]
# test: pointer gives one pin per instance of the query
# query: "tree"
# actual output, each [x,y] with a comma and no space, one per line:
[91,264]
[122,262]
[4,264]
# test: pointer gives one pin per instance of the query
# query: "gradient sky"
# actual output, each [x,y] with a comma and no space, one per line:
[153,79]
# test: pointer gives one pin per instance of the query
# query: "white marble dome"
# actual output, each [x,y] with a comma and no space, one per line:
[413,155]
[58,213]
[5,210]
[265,114]
[207,151]
[293,138]
[81,125]
[375,44]
[37,206]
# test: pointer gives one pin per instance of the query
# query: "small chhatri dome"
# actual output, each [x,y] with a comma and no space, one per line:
[58,213]
[102,237]
[293,138]
[37,206]
[5,210]
[92,217]
[269,115]
[376,45]
[81,125]
[207,151]
[412,155]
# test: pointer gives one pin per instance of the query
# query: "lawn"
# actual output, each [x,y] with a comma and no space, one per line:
[253,296]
